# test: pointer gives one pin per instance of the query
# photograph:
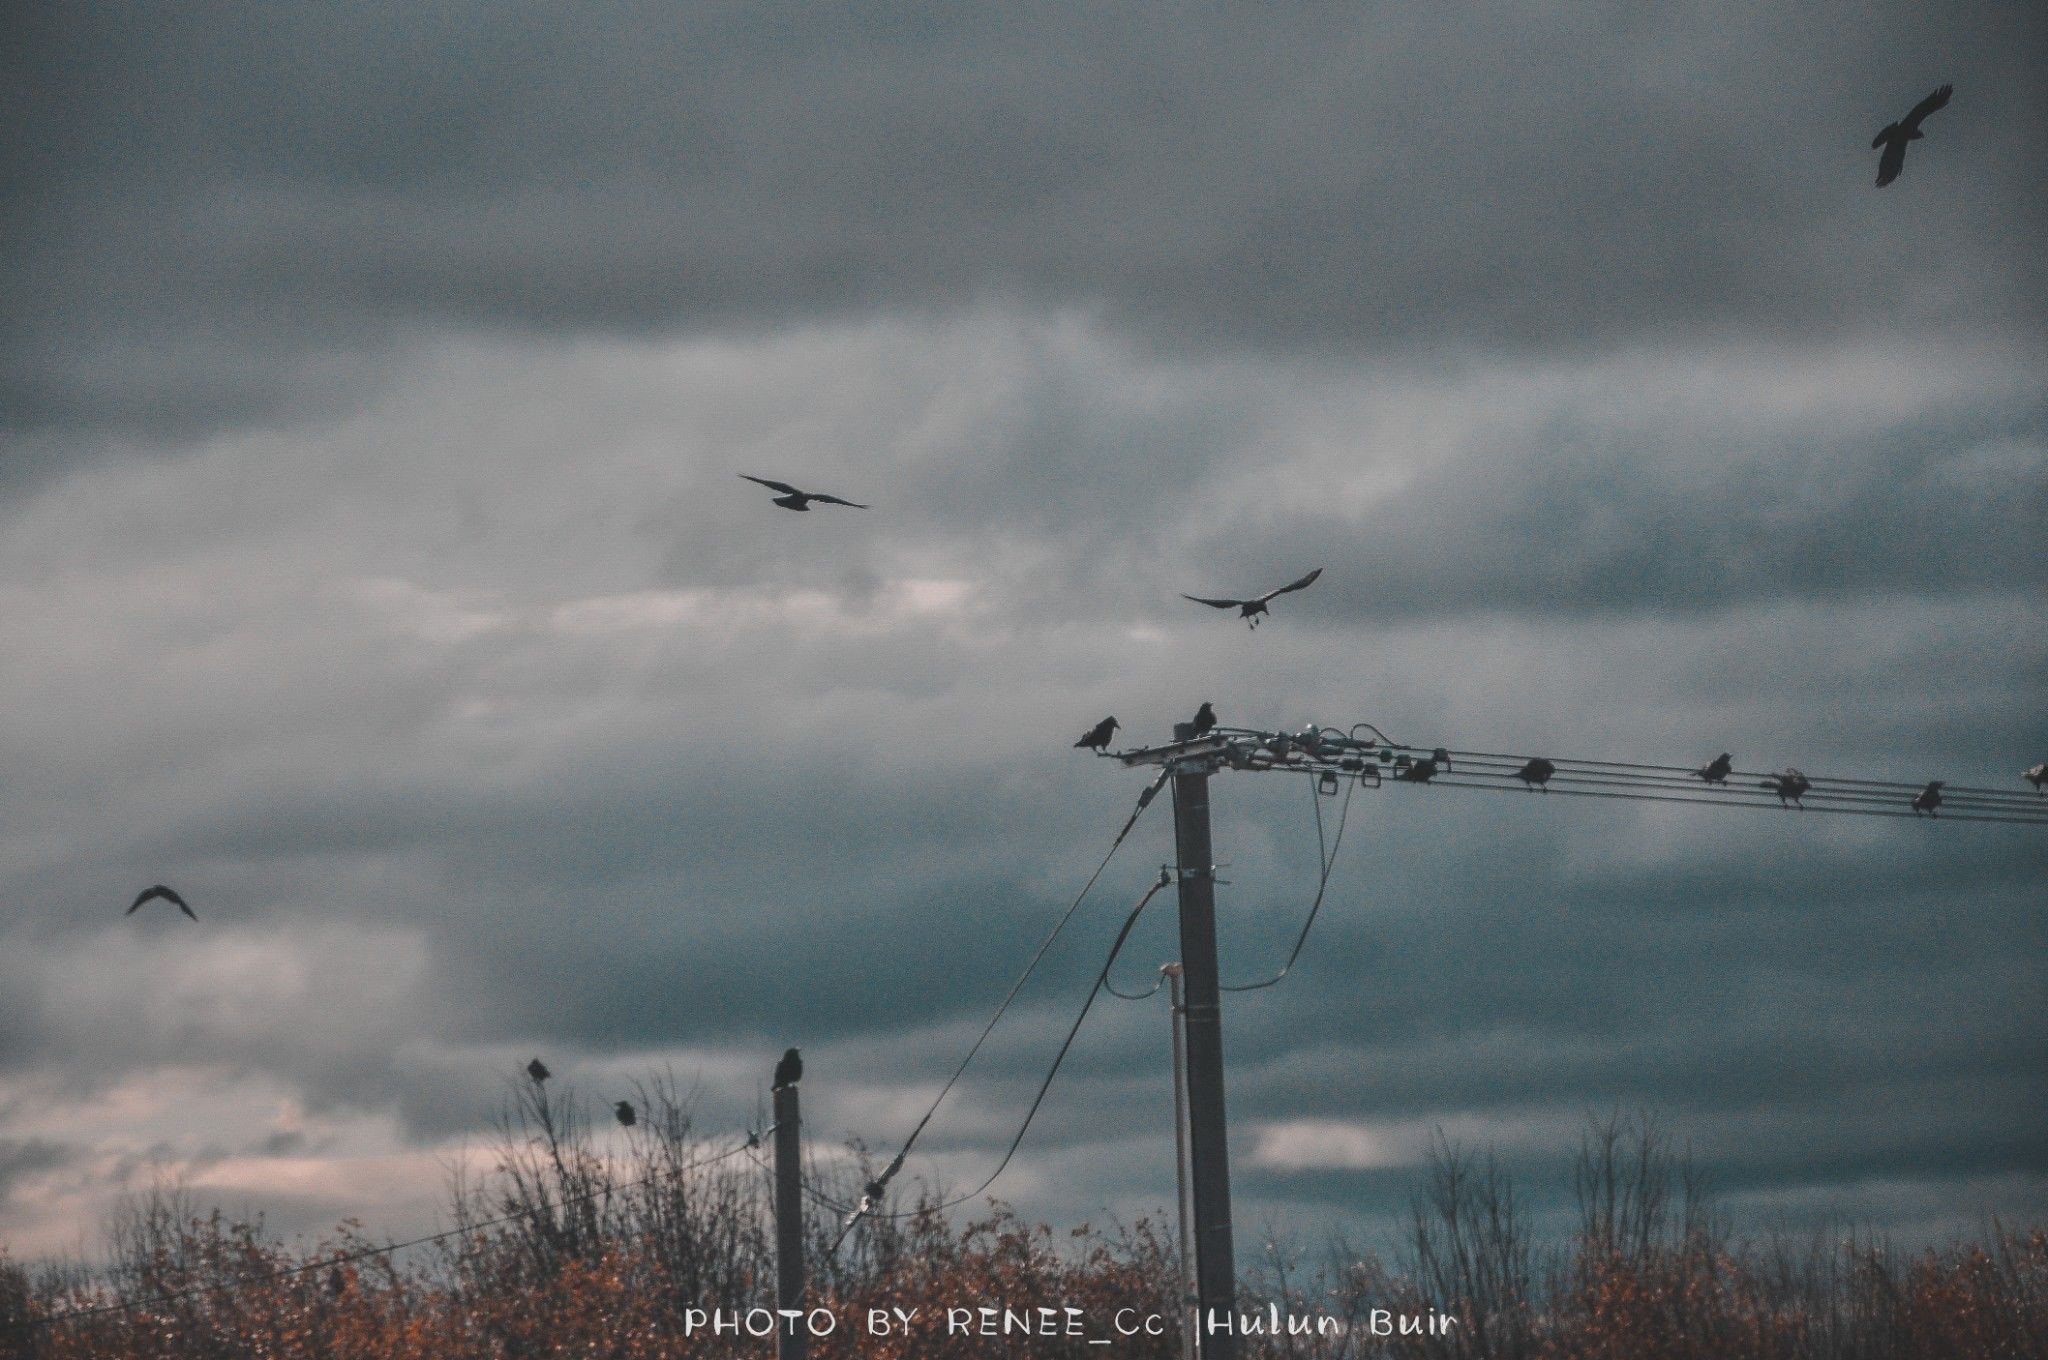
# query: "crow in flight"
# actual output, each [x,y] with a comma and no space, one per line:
[1205,719]
[151,894]
[1790,787]
[1096,738]
[1928,799]
[538,1070]
[1895,136]
[1250,610]
[2038,777]
[1716,770]
[624,1110]
[790,1070]
[1536,774]
[793,499]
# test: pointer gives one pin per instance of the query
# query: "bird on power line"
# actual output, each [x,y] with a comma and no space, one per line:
[1420,771]
[1716,770]
[2038,777]
[1929,798]
[538,1070]
[1536,774]
[1096,738]
[1249,610]
[623,1110]
[1205,719]
[790,1070]
[1895,135]
[1790,787]
[151,894]
[793,499]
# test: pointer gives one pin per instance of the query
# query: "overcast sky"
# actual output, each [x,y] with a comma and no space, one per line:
[373,568]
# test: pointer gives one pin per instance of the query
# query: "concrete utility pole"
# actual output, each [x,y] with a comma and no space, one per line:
[1180,1160]
[1202,1020]
[789,1221]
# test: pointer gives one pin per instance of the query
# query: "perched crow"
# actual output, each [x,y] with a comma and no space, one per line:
[790,1070]
[1716,770]
[1929,798]
[1790,787]
[538,1070]
[1421,771]
[624,1110]
[1895,136]
[151,894]
[793,499]
[1205,719]
[1250,610]
[1096,738]
[2038,777]
[1536,774]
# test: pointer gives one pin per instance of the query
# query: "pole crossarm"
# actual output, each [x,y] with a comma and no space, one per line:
[1365,754]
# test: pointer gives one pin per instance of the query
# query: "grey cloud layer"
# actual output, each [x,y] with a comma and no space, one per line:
[216,207]
[374,385]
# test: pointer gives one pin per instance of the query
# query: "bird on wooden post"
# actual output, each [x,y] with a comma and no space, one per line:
[789,1071]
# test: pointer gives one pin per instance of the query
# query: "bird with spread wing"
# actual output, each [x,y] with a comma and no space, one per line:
[793,499]
[1249,610]
[1895,135]
[151,894]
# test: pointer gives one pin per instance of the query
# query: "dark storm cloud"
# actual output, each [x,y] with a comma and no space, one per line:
[211,206]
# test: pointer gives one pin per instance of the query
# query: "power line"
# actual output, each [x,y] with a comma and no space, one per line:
[751,1141]
[1329,862]
[869,1209]
[896,1164]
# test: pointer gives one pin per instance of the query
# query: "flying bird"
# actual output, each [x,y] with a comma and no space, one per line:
[538,1070]
[1249,610]
[1790,787]
[1716,770]
[1895,136]
[793,499]
[1536,774]
[624,1110]
[151,894]
[790,1070]
[1928,799]
[2038,777]
[1097,737]
[1205,719]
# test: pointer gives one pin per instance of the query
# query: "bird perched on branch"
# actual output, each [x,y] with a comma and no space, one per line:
[1097,737]
[793,499]
[790,1070]
[1716,770]
[625,1114]
[1205,719]
[1790,787]
[1536,774]
[2038,777]
[151,894]
[538,1070]
[1895,135]
[1249,610]
[1929,798]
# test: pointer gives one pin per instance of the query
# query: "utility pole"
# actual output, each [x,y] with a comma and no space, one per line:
[1208,1144]
[1180,1160]
[789,1221]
